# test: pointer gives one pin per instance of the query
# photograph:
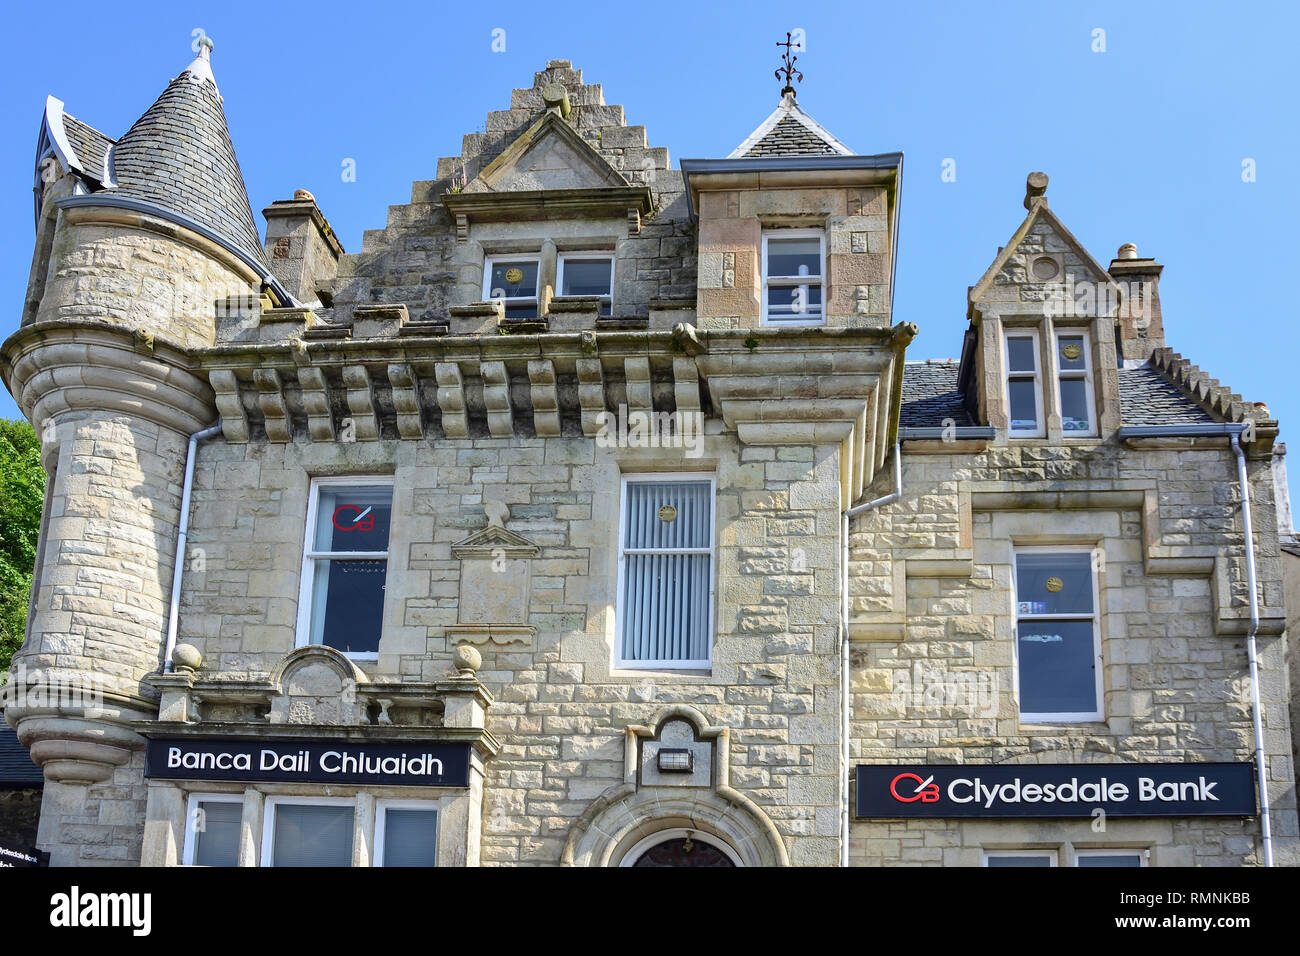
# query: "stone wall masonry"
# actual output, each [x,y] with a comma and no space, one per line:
[137,279]
[561,707]
[1173,688]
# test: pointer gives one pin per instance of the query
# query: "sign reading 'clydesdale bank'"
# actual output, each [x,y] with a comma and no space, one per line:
[412,764]
[1056,790]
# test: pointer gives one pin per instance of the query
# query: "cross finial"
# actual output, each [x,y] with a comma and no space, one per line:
[789,70]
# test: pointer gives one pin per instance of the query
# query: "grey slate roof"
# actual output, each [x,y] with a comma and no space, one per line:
[16,767]
[1148,398]
[789,137]
[930,395]
[179,156]
[89,144]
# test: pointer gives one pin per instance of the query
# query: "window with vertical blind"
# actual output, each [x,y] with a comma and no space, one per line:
[665,595]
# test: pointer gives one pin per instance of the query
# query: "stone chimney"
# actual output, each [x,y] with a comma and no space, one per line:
[1140,329]
[302,248]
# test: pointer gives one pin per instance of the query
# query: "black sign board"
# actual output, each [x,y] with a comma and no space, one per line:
[414,763]
[1056,790]
[14,857]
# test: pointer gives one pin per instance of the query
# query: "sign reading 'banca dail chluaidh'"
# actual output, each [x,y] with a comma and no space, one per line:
[415,763]
[1058,790]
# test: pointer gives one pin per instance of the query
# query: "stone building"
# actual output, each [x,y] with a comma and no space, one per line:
[592,514]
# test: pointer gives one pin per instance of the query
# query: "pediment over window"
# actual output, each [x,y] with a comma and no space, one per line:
[548,155]
[493,540]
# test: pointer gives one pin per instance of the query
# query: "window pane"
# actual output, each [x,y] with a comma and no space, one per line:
[353,517]
[308,835]
[1020,354]
[992,860]
[1057,661]
[1074,405]
[648,504]
[348,605]
[1061,583]
[1069,352]
[1109,859]
[666,607]
[216,840]
[794,302]
[586,277]
[513,280]
[410,837]
[1024,404]
[794,257]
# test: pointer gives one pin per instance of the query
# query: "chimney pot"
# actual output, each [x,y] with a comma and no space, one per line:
[1127,251]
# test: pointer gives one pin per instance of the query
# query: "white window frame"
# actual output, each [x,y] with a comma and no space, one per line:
[1040,429]
[790,282]
[310,557]
[271,807]
[1140,853]
[1066,717]
[514,301]
[190,847]
[1051,854]
[711,551]
[1085,374]
[606,300]
[381,823]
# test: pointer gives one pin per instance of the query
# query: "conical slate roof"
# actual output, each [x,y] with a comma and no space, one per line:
[178,156]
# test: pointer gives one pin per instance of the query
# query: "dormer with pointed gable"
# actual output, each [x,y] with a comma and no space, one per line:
[795,229]
[1040,356]
[560,217]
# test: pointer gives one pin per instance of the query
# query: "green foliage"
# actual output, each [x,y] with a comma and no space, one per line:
[22,492]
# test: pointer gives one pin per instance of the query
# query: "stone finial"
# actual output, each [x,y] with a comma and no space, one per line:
[1127,251]
[497,513]
[467,659]
[1035,189]
[556,98]
[186,657]
[302,195]
[205,45]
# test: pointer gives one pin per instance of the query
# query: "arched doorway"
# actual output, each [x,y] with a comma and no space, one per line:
[680,847]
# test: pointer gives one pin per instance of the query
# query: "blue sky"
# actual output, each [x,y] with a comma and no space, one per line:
[1144,142]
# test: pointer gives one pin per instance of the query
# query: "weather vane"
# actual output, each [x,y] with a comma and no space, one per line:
[789,69]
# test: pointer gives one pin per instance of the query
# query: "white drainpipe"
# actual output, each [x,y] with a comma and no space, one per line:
[844,644]
[1261,765]
[182,534]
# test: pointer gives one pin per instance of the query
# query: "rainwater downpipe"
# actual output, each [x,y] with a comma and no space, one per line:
[844,643]
[182,534]
[1234,433]
[1258,708]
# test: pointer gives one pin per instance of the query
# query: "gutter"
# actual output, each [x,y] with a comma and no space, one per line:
[182,535]
[844,643]
[939,433]
[1234,432]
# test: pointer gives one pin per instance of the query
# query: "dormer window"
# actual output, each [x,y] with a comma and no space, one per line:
[514,280]
[1024,385]
[1074,368]
[587,274]
[794,271]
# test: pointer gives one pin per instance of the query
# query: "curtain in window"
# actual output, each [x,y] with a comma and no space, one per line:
[666,587]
